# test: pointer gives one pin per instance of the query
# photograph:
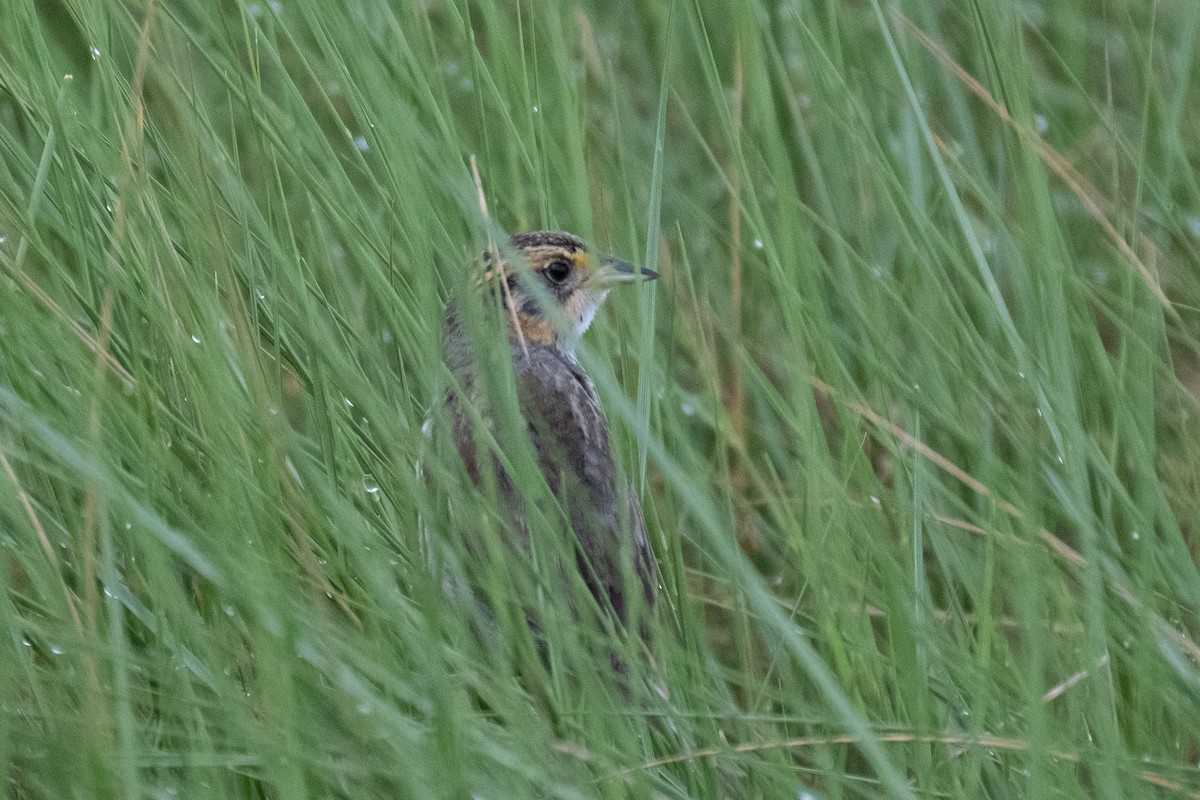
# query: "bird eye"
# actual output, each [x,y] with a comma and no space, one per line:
[557,271]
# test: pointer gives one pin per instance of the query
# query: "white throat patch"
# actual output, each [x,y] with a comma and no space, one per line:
[587,312]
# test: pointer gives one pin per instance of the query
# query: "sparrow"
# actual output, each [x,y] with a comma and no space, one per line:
[558,402]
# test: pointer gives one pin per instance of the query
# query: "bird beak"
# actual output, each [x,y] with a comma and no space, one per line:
[614,270]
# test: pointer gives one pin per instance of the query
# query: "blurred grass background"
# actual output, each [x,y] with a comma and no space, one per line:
[915,400]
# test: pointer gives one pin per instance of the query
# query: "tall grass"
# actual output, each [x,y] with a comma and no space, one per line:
[912,412]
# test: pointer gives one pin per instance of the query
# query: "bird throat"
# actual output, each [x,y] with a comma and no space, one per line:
[580,308]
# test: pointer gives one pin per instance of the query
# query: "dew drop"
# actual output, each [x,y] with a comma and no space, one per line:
[361,143]
[758,244]
[95,51]
[195,338]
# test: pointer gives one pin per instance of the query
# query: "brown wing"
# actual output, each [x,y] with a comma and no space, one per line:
[570,435]
[644,563]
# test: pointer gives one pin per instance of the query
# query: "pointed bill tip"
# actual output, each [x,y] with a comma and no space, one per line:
[621,271]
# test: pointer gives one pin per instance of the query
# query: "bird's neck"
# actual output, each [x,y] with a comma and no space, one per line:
[532,330]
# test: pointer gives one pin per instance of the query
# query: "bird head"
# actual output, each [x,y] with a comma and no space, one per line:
[564,281]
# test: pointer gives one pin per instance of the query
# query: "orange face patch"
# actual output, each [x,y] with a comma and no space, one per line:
[535,331]
[581,261]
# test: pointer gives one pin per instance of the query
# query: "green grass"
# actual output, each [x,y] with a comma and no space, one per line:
[913,411]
